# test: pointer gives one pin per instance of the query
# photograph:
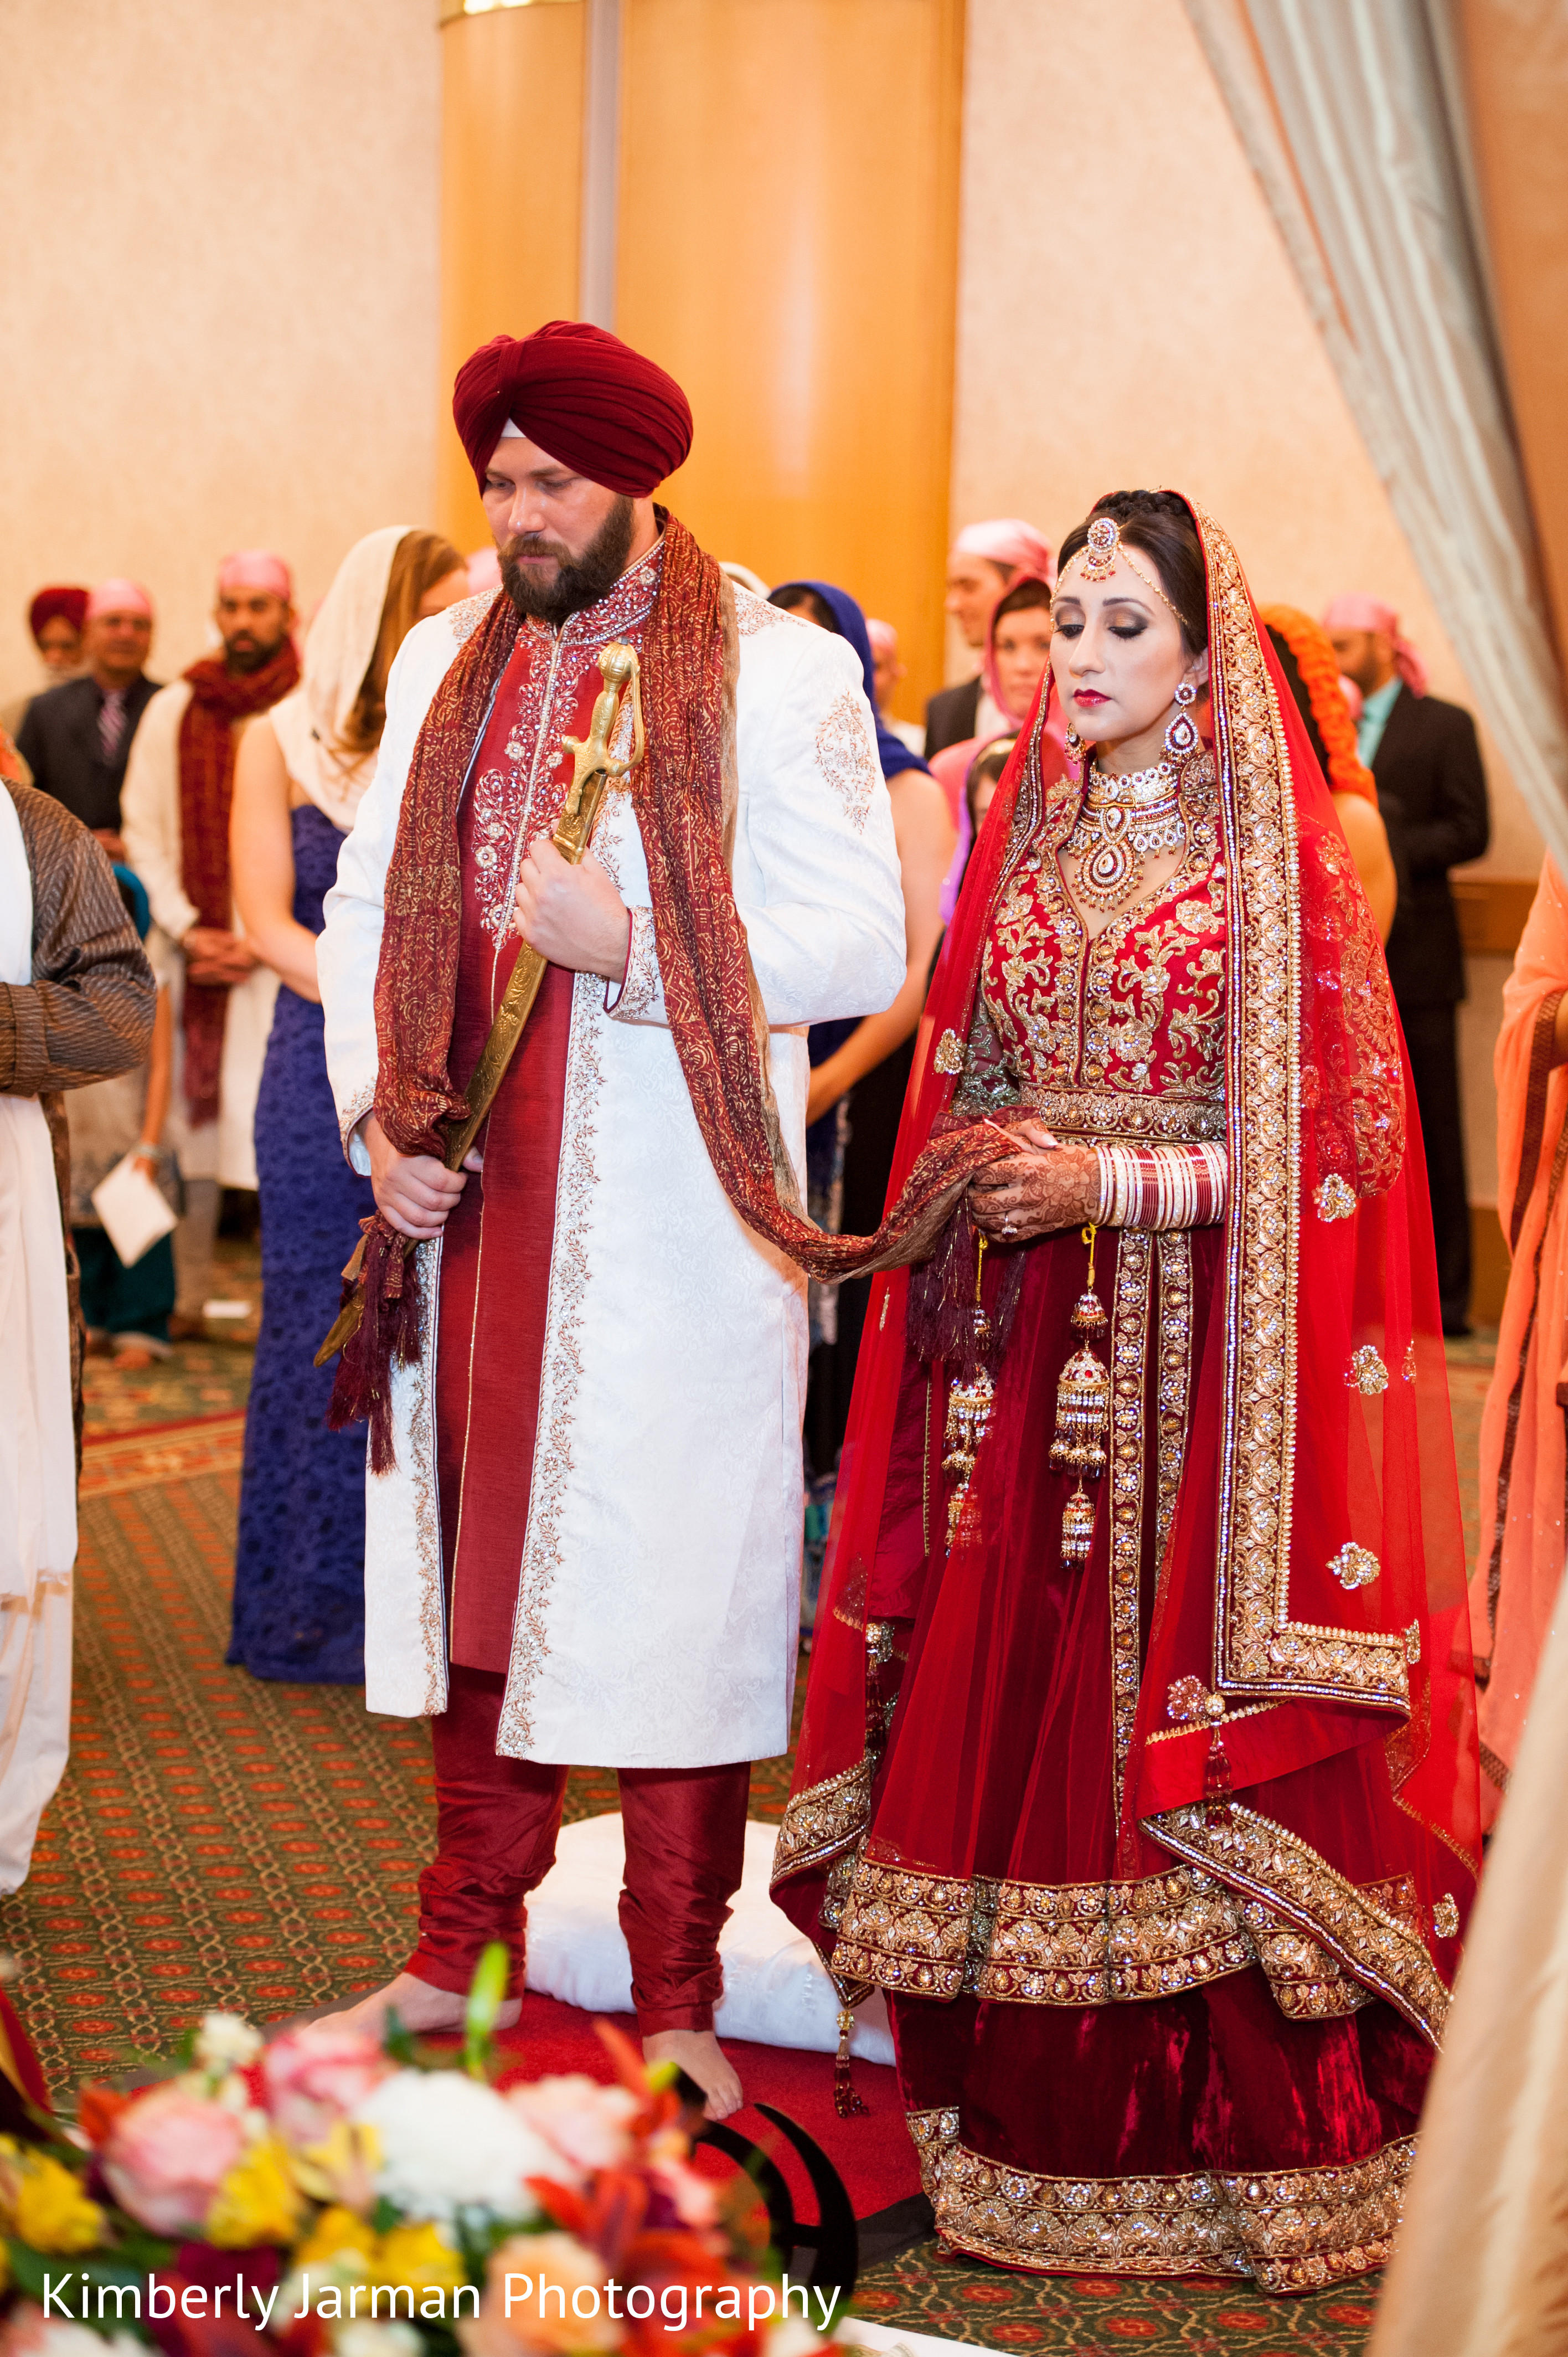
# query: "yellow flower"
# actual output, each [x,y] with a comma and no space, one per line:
[335,2232]
[341,2169]
[51,2212]
[419,2257]
[258,2202]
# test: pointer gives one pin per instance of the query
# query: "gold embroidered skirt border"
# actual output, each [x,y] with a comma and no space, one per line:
[917,1935]
[1287,2230]
[823,1821]
[1376,1932]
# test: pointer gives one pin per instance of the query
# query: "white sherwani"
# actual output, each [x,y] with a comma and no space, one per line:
[223,1149]
[658,1580]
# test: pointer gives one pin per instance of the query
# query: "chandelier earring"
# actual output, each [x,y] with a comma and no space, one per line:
[1181,733]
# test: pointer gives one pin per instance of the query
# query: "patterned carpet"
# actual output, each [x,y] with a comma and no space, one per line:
[219,1840]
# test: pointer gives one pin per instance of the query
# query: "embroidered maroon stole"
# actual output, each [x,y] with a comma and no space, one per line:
[218,698]
[684,791]
[496,1253]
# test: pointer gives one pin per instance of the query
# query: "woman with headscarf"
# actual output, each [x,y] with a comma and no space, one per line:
[1138,1766]
[860,1071]
[301,770]
[1017,649]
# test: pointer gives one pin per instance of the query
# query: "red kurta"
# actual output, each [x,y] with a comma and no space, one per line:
[497,1251]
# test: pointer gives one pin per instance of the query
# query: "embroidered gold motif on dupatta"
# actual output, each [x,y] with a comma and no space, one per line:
[1259,1649]
[1129,1389]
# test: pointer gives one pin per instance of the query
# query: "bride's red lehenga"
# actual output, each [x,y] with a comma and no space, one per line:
[1163,1859]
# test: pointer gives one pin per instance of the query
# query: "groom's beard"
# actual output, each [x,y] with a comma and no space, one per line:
[579,581]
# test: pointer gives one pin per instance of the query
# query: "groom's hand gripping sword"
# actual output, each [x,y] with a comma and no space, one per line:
[594,765]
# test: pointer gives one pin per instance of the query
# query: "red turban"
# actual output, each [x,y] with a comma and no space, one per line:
[60,603]
[594,403]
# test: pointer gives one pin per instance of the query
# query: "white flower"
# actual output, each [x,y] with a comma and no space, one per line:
[792,2337]
[449,2143]
[225,2042]
[28,2332]
[361,2339]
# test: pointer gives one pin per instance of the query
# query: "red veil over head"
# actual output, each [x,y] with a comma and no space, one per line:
[1314,1574]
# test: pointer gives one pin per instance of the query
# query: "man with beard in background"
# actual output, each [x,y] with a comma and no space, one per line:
[178,787]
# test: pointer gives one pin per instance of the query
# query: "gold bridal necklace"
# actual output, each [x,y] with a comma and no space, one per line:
[1125,822]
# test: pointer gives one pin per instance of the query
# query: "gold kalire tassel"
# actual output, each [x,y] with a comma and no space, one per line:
[1084,1418]
[969,1414]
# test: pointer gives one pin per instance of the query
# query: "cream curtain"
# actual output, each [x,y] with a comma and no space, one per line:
[1480,2268]
[1352,115]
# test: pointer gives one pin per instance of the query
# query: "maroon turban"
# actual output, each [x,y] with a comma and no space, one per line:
[55,604]
[594,403]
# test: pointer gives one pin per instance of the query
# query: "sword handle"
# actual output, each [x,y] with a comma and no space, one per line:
[595,764]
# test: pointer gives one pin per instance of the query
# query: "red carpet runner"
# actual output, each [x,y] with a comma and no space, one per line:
[873,2155]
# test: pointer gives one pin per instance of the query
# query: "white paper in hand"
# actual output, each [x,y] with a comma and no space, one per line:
[134,1213]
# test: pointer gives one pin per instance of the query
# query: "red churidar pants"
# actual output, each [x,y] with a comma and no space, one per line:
[497,1820]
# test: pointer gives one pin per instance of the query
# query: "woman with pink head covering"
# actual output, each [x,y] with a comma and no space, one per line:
[984,562]
[1017,649]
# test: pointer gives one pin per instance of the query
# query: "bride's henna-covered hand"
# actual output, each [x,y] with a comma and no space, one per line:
[1036,1192]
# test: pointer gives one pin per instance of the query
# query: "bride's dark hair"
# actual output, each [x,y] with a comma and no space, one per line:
[1160,524]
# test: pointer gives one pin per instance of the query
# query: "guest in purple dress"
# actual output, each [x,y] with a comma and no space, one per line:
[299,1573]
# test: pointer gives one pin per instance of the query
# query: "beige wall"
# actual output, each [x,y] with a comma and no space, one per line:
[1127,316]
[218,279]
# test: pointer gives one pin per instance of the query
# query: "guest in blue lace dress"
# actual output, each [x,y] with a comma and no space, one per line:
[299,1575]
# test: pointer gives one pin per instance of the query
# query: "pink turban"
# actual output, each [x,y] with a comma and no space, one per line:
[484,570]
[884,640]
[583,395]
[1354,610]
[257,568]
[1008,540]
[119,597]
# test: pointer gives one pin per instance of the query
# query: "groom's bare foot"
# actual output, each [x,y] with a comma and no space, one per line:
[418,2005]
[701,2058]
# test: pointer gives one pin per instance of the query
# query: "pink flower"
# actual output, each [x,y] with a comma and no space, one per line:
[695,2197]
[511,2321]
[166,2155]
[316,2075]
[589,2125]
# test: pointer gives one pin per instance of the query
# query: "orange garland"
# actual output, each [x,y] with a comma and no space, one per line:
[1315,659]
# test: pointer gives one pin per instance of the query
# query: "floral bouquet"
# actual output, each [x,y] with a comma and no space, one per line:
[346,2198]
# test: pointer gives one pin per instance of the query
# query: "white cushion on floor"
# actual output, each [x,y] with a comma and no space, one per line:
[777,1988]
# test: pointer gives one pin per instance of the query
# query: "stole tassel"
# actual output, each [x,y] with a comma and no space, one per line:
[847,2103]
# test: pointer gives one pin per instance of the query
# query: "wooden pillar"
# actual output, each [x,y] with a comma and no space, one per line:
[511,192]
[787,242]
